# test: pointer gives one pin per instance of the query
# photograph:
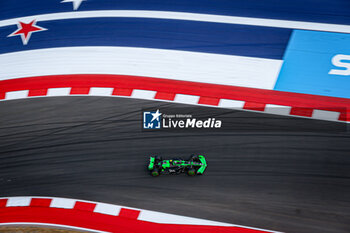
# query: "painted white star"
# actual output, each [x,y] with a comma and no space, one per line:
[156,115]
[76,3]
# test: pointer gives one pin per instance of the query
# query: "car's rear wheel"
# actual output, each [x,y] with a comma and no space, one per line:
[155,172]
[191,172]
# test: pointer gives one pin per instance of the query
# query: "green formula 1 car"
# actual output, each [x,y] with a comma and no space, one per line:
[195,165]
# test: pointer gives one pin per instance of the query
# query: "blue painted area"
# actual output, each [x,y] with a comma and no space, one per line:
[154,33]
[336,11]
[308,62]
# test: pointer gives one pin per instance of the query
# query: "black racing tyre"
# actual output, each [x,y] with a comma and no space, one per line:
[191,172]
[155,172]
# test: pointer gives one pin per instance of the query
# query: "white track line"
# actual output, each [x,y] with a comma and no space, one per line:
[101,91]
[58,91]
[143,94]
[63,203]
[183,16]
[325,115]
[16,95]
[226,103]
[186,99]
[158,63]
[278,109]
[108,209]
[18,201]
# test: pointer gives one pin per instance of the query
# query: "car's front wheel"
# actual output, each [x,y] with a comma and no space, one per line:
[155,172]
[191,172]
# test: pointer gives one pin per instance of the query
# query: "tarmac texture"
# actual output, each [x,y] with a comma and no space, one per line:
[267,171]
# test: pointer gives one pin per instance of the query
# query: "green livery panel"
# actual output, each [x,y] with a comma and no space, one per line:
[151,163]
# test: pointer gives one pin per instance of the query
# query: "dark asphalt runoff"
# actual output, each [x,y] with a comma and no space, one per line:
[272,172]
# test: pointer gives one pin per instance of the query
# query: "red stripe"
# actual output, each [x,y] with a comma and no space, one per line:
[307,112]
[3,203]
[125,84]
[255,106]
[122,91]
[209,101]
[102,222]
[85,206]
[40,202]
[37,92]
[79,90]
[344,116]
[165,96]
[128,213]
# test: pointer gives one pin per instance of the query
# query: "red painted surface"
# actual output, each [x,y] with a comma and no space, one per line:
[209,101]
[84,206]
[40,202]
[3,202]
[165,96]
[122,91]
[128,213]
[301,111]
[79,90]
[209,93]
[37,92]
[255,106]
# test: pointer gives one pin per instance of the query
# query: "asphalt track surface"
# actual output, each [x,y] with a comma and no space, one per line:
[294,178]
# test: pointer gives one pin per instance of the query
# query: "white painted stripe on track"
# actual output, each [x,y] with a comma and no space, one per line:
[303,25]
[18,201]
[16,95]
[158,63]
[325,115]
[152,216]
[108,209]
[278,109]
[64,203]
[226,103]
[101,91]
[186,99]
[58,91]
[143,94]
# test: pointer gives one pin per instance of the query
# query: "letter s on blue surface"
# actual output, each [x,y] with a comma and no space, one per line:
[337,61]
